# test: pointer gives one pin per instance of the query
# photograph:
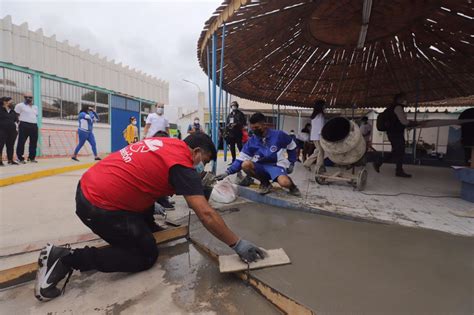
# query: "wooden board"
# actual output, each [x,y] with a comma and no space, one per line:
[233,263]
[16,275]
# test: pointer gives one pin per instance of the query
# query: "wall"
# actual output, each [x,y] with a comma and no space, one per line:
[20,46]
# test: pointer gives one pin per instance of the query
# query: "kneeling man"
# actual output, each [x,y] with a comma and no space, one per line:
[263,157]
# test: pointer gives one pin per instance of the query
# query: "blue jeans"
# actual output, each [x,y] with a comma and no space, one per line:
[83,137]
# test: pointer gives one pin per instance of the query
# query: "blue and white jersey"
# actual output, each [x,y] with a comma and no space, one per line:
[268,150]
[87,120]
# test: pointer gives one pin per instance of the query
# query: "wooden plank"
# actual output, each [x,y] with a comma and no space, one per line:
[233,263]
[283,302]
[16,275]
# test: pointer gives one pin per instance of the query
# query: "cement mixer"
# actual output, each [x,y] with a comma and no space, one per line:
[344,145]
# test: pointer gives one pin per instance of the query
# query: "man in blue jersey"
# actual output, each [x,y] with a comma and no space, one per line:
[86,118]
[263,157]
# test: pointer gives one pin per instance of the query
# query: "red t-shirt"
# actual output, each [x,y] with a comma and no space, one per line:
[133,178]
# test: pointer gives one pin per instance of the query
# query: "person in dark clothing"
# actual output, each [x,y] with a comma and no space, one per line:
[235,123]
[395,133]
[114,199]
[8,119]
[28,128]
[467,134]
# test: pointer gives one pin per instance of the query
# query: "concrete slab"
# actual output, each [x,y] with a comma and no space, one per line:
[425,201]
[340,266]
[184,281]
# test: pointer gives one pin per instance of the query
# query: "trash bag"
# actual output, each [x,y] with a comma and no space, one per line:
[224,191]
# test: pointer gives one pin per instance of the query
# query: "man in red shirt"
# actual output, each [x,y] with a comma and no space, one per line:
[115,199]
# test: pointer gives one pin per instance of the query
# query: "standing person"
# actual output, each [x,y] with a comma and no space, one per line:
[8,119]
[317,123]
[115,199]
[87,118]
[156,122]
[299,145]
[366,131]
[235,122]
[308,146]
[467,134]
[130,134]
[263,157]
[396,123]
[195,127]
[28,128]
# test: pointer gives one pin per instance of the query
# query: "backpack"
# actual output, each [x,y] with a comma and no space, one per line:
[386,119]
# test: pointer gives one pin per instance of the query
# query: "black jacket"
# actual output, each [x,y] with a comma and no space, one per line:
[239,120]
[8,119]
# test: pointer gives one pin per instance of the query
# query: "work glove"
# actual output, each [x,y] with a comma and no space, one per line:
[222,176]
[247,251]
[290,168]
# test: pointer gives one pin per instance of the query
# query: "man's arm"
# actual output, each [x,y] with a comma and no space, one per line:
[211,220]
[402,117]
[145,131]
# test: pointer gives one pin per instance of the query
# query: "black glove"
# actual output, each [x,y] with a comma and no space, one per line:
[222,176]
[247,251]
[290,168]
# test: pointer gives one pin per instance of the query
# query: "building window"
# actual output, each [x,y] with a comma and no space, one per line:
[146,108]
[15,84]
[64,101]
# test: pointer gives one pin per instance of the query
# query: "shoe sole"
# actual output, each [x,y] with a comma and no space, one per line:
[42,270]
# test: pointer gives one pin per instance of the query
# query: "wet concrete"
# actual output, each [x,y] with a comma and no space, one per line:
[183,281]
[340,266]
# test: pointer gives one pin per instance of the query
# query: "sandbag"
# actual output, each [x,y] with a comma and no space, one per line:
[224,191]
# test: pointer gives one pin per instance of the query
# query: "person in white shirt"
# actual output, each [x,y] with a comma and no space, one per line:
[317,123]
[28,128]
[156,122]
[366,131]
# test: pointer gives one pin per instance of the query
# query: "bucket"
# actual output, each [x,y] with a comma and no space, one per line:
[342,141]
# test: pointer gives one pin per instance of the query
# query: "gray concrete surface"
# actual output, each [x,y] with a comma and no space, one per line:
[346,267]
[183,281]
[43,164]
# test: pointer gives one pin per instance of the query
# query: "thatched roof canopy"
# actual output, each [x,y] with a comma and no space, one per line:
[347,52]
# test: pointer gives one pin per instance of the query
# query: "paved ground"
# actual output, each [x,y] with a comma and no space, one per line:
[43,164]
[183,281]
[347,267]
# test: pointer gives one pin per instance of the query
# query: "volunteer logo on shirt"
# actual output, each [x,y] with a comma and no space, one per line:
[140,147]
[273,148]
[146,145]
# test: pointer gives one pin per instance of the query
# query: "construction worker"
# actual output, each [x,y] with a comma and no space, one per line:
[263,157]
[115,200]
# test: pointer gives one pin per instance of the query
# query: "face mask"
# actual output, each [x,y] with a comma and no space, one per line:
[134,122]
[159,111]
[196,122]
[234,107]
[28,101]
[258,132]
[199,168]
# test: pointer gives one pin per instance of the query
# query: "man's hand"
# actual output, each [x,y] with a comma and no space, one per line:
[247,251]
[222,176]
[290,168]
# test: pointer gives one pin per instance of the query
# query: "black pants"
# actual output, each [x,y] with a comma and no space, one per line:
[7,138]
[235,139]
[25,131]
[397,140]
[132,245]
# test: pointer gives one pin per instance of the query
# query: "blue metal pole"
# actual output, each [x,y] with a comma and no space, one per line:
[225,123]
[209,131]
[221,75]
[214,94]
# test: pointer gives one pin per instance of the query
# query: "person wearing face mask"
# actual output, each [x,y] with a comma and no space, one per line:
[195,127]
[28,128]
[263,157]
[130,134]
[87,118]
[8,119]
[395,132]
[233,134]
[115,199]
[156,122]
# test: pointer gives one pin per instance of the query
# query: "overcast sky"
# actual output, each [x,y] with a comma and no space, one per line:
[158,37]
